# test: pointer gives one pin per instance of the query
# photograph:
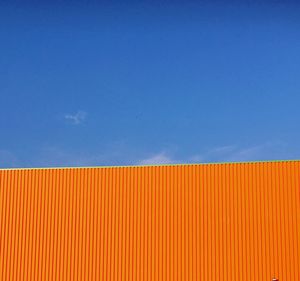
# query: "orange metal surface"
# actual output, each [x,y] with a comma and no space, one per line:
[187,222]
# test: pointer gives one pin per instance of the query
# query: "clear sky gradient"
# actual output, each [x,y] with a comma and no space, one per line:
[120,83]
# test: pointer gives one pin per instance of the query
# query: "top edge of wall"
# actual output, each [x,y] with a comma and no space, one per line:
[150,165]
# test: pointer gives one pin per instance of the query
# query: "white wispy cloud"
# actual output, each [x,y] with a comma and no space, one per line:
[118,154]
[264,151]
[226,153]
[159,158]
[233,153]
[222,149]
[76,118]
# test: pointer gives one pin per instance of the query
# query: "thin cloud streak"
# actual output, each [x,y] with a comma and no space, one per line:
[53,156]
[228,153]
[233,153]
[156,159]
[77,118]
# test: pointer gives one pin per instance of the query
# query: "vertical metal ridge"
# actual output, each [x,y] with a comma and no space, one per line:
[196,222]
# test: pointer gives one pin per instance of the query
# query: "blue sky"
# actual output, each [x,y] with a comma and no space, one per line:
[136,82]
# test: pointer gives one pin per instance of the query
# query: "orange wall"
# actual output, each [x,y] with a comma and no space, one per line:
[185,222]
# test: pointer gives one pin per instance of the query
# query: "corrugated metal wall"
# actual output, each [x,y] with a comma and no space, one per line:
[189,222]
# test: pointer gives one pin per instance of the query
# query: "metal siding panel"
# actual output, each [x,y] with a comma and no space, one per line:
[187,222]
